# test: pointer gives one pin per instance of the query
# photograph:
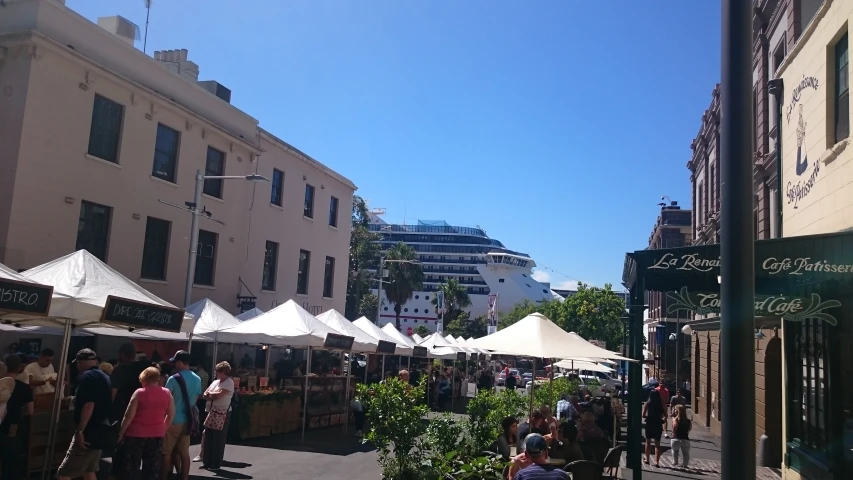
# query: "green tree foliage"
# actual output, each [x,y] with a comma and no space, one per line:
[487,410]
[363,262]
[405,277]
[593,313]
[456,299]
[422,331]
[465,327]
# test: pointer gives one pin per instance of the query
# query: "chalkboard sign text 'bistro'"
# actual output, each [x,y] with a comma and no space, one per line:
[25,298]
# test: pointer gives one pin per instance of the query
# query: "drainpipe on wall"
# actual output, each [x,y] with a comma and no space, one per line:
[776,88]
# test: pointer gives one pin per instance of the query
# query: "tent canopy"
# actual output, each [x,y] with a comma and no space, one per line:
[581,366]
[417,338]
[285,325]
[210,317]
[537,336]
[362,342]
[371,329]
[89,282]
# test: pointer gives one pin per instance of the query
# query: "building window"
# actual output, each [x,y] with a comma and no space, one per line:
[205,262]
[333,212]
[105,132]
[166,153]
[308,208]
[808,346]
[302,276]
[842,91]
[155,252]
[93,230]
[329,278]
[215,166]
[277,187]
[270,266]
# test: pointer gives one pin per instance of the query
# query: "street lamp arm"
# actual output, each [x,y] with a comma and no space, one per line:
[252,177]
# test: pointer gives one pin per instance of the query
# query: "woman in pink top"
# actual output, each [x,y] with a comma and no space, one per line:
[150,411]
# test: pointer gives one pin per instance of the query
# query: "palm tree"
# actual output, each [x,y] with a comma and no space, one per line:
[455,300]
[405,276]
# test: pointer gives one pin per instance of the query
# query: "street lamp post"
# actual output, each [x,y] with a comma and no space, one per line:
[737,243]
[195,211]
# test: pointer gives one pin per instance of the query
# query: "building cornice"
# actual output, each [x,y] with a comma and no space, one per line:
[265,135]
[804,37]
[38,40]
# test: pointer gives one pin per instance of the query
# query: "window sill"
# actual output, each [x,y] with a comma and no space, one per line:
[277,207]
[164,182]
[832,153]
[328,298]
[333,227]
[212,198]
[305,295]
[101,160]
[151,280]
[267,291]
[310,219]
[204,287]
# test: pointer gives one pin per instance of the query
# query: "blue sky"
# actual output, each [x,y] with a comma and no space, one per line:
[556,125]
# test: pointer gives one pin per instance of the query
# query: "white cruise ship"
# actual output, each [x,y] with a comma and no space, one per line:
[481,264]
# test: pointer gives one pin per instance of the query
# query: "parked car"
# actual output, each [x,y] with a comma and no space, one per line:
[501,380]
[609,383]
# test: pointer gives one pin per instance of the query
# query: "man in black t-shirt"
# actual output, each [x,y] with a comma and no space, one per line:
[18,404]
[92,407]
[125,378]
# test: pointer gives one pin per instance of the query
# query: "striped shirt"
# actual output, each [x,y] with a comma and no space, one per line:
[541,472]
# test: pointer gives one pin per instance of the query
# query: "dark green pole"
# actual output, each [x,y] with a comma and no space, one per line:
[737,244]
[635,377]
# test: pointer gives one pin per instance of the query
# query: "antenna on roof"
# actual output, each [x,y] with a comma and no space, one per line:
[147,14]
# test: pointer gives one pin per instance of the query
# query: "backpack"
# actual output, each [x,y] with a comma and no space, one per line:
[192,409]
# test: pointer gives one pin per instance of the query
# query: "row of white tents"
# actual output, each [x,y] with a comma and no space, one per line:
[86,295]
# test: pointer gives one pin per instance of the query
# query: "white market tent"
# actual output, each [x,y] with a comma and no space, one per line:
[398,337]
[210,318]
[286,325]
[537,336]
[362,342]
[480,351]
[88,281]
[436,340]
[249,314]
[371,329]
[417,338]
[577,365]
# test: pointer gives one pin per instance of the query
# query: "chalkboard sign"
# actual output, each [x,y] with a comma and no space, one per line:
[338,342]
[132,313]
[24,297]
[461,356]
[420,352]
[386,347]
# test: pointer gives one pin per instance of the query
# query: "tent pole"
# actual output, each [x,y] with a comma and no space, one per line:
[346,394]
[305,400]
[57,402]
[366,366]
[382,373]
[215,351]
[551,393]
[267,366]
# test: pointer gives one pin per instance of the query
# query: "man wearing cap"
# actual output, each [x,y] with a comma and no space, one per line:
[177,435]
[91,413]
[533,463]
[125,381]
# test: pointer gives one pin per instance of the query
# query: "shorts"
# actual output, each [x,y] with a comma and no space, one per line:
[79,461]
[654,430]
[176,438]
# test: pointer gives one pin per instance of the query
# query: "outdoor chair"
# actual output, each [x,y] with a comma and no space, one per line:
[584,470]
[613,459]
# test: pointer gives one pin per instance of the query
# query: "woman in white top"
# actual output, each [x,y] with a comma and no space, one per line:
[218,396]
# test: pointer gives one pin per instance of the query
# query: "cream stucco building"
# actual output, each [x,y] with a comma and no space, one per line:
[99,145]
[817,182]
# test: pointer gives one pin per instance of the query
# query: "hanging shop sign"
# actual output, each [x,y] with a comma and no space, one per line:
[695,262]
[338,342]
[132,313]
[420,352]
[386,347]
[788,307]
[461,356]
[25,297]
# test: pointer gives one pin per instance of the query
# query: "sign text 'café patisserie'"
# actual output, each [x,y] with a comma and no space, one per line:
[771,265]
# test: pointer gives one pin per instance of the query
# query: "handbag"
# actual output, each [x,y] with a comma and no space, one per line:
[215,418]
[192,409]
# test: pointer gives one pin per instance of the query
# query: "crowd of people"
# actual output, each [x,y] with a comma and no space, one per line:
[138,413]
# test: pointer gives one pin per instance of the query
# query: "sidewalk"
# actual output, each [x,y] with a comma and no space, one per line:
[705,460]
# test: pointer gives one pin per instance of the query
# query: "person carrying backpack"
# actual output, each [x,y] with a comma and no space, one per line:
[185,387]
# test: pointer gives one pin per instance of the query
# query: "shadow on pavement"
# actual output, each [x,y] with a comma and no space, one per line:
[328,441]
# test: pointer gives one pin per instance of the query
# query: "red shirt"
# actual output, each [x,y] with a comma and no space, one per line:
[664,394]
